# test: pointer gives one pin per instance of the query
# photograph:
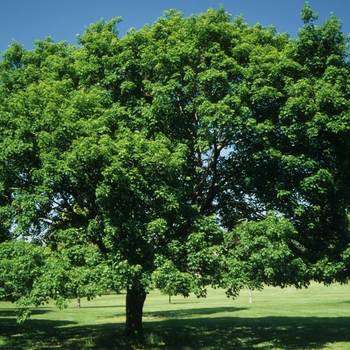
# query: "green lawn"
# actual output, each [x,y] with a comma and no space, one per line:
[316,318]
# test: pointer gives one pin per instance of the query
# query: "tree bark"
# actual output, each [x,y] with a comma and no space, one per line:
[135,299]
[78,301]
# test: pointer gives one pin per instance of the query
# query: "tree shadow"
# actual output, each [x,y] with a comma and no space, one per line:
[184,313]
[7,313]
[182,302]
[8,317]
[247,333]
[32,334]
[103,307]
[191,329]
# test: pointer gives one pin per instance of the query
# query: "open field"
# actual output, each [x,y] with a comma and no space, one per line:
[316,318]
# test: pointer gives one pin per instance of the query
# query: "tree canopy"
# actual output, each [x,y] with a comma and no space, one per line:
[197,151]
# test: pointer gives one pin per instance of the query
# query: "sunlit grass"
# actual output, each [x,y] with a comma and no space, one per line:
[316,318]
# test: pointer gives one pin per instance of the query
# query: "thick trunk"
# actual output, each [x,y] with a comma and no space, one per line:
[135,299]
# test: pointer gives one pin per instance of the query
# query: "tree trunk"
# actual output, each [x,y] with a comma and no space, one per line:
[78,301]
[135,299]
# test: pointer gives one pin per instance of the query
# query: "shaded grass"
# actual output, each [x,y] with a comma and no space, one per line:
[316,318]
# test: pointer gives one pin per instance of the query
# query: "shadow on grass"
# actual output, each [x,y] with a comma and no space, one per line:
[189,332]
[33,334]
[184,313]
[249,333]
[12,312]
[7,313]
[103,307]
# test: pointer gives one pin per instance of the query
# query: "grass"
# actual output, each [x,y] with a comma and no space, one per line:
[315,318]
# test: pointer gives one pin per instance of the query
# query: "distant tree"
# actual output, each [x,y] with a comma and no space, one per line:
[21,264]
[260,253]
[73,270]
[171,281]
[32,275]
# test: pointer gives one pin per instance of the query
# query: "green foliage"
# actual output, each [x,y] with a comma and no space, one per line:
[139,159]
[263,253]
[31,274]
[307,15]
[21,264]
[73,272]
[171,281]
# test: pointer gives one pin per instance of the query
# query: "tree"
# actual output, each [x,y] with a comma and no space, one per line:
[31,274]
[73,270]
[156,148]
[21,264]
[171,281]
[260,253]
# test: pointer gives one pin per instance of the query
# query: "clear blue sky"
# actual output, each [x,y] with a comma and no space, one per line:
[28,20]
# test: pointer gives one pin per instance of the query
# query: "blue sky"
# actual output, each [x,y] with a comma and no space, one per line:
[28,20]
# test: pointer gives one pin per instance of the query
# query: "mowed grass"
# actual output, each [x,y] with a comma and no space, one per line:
[313,318]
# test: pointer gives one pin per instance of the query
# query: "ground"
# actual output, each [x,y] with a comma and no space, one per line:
[316,318]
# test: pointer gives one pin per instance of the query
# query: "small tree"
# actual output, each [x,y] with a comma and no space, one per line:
[21,263]
[263,253]
[171,281]
[73,271]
